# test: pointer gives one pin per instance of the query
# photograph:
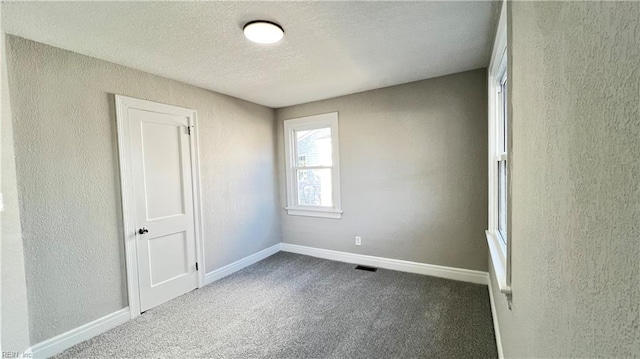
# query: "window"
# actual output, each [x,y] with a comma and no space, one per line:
[313,166]
[498,231]
[501,155]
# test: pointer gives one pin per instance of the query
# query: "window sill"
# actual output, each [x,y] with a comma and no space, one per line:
[498,253]
[321,213]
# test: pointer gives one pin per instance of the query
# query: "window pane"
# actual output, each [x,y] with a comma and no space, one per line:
[314,147]
[502,199]
[314,187]
[503,117]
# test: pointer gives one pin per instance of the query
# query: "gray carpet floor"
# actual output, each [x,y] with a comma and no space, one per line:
[294,306]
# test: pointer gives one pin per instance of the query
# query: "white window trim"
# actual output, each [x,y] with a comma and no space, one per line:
[499,251]
[310,123]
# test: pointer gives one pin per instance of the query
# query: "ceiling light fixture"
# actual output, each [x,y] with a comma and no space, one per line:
[263,32]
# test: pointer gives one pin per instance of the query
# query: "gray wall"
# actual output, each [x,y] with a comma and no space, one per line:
[575,96]
[66,159]
[13,287]
[414,175]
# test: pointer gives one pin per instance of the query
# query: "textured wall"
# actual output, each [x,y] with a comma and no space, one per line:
[66,159]
[575,95]
[15,320]
[414,176]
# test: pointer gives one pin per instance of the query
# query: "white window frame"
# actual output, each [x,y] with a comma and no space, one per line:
[498,241]
[305,124]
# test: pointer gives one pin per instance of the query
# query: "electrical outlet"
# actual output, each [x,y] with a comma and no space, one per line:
[358,240]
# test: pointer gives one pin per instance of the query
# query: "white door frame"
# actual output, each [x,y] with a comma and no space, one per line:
[123,104]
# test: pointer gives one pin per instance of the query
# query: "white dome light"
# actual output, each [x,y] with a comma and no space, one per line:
[263,32]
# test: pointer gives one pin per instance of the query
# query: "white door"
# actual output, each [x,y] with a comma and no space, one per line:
[163,202]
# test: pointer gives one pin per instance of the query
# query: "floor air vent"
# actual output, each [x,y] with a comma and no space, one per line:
[368,269]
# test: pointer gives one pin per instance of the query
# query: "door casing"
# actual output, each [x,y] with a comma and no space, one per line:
[123,104]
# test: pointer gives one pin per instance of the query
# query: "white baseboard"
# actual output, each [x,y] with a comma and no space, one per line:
[57,344]
[237,265]
[465,275]
[496,326]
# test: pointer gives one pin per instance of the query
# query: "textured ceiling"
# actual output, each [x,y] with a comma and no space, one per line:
[329,49]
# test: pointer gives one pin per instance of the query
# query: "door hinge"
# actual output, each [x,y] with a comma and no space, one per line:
[196,266]
[189,130]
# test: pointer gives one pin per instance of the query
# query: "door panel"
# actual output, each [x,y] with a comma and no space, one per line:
[171,246]
[161,167]
[162,170]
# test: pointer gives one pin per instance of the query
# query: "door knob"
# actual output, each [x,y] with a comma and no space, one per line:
[143,230]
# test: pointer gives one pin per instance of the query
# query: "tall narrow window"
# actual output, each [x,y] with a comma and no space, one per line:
[499,146]
[312,166]
[501,156]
